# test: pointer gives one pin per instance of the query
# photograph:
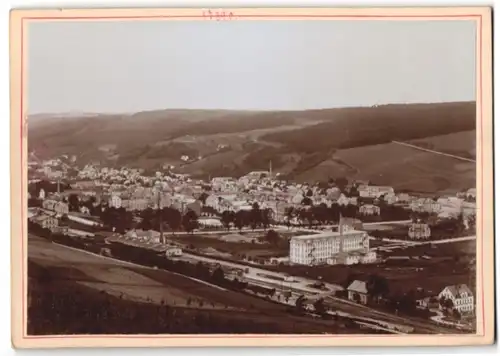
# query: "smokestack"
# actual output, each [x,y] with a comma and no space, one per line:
[341,233]
[270,168]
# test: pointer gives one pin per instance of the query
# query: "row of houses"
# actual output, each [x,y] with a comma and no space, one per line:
[461,297]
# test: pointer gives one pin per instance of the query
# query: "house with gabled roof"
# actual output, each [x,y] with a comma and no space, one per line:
[358,292]
[461,296]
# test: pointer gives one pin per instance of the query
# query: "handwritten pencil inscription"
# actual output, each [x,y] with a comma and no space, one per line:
[218,15]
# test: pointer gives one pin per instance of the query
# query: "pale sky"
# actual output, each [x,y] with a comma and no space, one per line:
[268,65]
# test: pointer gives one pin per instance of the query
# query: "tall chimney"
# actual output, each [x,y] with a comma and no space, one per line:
[341,233]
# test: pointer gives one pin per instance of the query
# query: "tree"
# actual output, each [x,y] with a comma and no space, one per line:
[255,215]
[446,303]
[377,286]
[190,221]
[459,227]
[239,219]
[319,306]
[471,219]
[145,224]
[309,193]
[306,201]
[74,202]
[203,197]
[174,219]
[272,237]
[218,275]
[341,182]
[353,192]
[202,271]
[456,314]
[227,218]
[266,217]
[299,303]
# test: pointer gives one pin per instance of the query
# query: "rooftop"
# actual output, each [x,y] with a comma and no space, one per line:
[358,286]
[327,234]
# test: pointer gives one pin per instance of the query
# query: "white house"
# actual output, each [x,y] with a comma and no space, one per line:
[173,252]
[45,221]
[373,191]
[343,200]
[391,198]
[115,201]
[471,193]
[419,231]
[146,236]
[369,209]
[358,292]
[461,296]
[84,210]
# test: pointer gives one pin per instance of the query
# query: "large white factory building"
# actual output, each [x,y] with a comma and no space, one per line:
[345,246]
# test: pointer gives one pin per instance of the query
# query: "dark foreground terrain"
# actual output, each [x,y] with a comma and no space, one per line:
[65,298]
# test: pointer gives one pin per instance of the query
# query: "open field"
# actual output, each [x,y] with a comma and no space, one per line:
[467,248]
[134,282]
[114,278]
[59,280]
[459,143]
[233,248]
[65,307]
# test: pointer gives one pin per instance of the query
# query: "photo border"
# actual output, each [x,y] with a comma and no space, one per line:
[19,20]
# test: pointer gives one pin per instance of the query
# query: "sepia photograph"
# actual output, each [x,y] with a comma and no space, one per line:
[225,173]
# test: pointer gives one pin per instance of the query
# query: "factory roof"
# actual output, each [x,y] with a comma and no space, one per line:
[327,234]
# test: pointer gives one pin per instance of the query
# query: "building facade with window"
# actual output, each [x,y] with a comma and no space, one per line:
[461,296]
[333,247]
[419,231]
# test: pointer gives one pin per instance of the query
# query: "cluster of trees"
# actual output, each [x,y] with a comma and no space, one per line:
[322,214]
[372,126]
[319,306]
[446,227]
[319,214]
[448,307]
[254,218]
[170,219]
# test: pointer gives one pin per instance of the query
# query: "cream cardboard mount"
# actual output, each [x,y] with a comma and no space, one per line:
[136,222]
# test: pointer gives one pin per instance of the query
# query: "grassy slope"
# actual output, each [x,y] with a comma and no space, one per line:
[135,283]
[460,143]
[77,278]
[402,167]
[65,307]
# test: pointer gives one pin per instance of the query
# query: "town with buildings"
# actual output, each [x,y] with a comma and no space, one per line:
[334,243]
[180,181]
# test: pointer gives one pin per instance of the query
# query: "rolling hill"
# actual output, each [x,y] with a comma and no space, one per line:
[306,145]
